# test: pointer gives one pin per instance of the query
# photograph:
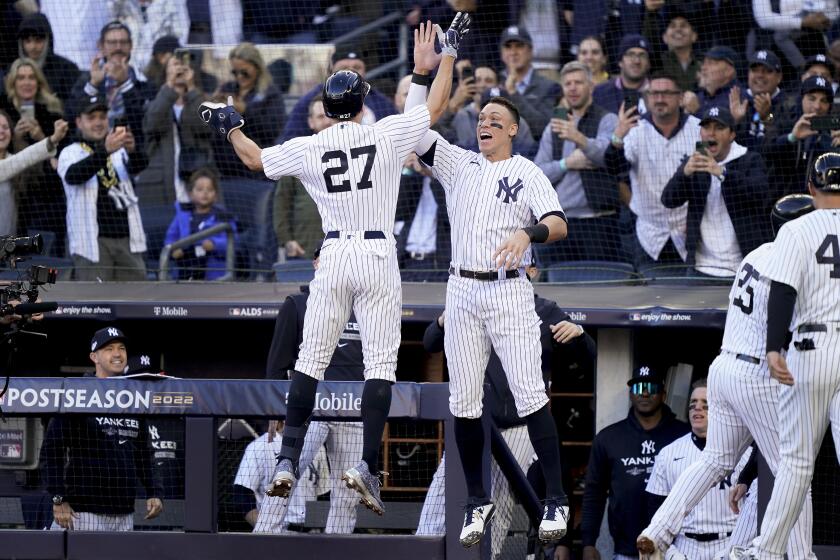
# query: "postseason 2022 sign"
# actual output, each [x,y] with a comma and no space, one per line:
[191,397]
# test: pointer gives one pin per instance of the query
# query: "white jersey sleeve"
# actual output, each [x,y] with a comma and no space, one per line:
[542,198]
[631,144]
[788,263]
[286,159]
[444,159]
[250,470]
[406,130]
[658,482]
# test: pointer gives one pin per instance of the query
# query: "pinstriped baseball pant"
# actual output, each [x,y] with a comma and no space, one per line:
[742,407]
[805,409]
[499,313]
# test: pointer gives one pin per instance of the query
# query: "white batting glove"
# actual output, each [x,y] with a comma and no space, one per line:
[450,39]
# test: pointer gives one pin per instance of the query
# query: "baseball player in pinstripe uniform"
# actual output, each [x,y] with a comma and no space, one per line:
[805,294]
[352,172]
[493,200]
[707,526]
[742,400]
[557,334]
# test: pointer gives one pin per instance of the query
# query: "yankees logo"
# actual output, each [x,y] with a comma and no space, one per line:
[113,332]
[648,447]
[508,191]
[761,55]
[714,112]
[145,361]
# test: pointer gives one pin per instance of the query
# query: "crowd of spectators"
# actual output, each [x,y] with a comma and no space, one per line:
[667,129]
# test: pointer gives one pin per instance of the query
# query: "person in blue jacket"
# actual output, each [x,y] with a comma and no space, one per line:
[206,260]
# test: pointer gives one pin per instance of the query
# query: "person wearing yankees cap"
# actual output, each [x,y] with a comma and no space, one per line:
[92,463]
[791,155]
[724,185]
[765,109]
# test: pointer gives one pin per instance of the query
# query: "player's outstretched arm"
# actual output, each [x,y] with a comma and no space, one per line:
[226,121]
[426,59]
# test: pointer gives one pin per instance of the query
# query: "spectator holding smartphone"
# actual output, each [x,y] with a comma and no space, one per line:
[792,152]
[634,63]
[104,229]
[725,186]
[34,109]
[177,141]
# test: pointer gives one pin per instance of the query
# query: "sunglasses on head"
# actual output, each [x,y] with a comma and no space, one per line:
[648,387]
[243,73]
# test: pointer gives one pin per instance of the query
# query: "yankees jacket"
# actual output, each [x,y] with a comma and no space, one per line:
[94,462]
[620,463]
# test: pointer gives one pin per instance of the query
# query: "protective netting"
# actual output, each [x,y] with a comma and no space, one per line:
[641,201]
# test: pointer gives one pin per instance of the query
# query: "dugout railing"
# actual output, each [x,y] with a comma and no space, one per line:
[201,403]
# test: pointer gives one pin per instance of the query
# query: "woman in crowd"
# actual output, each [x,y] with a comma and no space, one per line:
[592,52]
[13,164]
[32,105]
[257,100]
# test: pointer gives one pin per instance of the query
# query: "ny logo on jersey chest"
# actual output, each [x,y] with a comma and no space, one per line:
[508,192]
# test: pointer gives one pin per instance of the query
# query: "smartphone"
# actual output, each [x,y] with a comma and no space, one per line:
[27,111]
[825,123]
[700,147]
[561,113]
[184,55]
[467,73]
[120,121]
[631,99]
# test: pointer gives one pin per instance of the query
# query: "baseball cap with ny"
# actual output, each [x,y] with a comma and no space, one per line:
[105,336]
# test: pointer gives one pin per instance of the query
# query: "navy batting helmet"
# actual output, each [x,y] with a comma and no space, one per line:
[344,94]
[789,208]
[825,176]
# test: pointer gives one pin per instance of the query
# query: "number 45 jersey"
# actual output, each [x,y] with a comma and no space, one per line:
[352,171]
[746,319]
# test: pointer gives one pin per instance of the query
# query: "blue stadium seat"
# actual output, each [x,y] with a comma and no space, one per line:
[589,271]
[295,270]
[156,220]
[251,202]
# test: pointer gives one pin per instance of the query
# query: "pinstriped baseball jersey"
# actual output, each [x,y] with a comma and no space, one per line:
[746,319]
[488,201]
[806,256]
[352,171]
[712,514]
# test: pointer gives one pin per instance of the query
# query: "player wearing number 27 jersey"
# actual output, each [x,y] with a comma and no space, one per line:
[352,172]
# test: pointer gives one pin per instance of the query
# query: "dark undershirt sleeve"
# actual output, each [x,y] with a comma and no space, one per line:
[780,306]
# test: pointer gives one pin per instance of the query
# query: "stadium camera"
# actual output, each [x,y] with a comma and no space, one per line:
[11,247]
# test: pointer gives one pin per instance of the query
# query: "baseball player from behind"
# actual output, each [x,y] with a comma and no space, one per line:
[804,294]
[352,172]
[494,199]
[708,525]
[742,400]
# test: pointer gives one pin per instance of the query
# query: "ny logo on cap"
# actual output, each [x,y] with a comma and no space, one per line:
[761,55]
[714,112]
[643,43]
[820,58]
[113,332]
[508,191]
[820,81]
[145,361]
[644,371]
[513,30]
